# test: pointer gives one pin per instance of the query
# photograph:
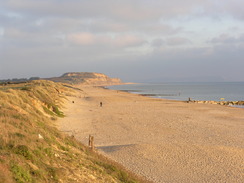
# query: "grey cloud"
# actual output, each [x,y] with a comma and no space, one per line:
[175,41]
[158,42]
[197,64]
[123,9]
[109,25]
[161,65]
[218,8]
[228,39]
[234,8]
[192,64]
[106,25]
[120,41]
[159,29]
[74,8]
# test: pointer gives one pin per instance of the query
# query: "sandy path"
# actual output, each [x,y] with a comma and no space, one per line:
[165,141]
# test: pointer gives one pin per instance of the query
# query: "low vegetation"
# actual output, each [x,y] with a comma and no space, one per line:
[33,150]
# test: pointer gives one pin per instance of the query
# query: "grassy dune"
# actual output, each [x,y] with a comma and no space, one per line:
[33,150]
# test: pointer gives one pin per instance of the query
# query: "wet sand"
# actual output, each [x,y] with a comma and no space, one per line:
[163,140]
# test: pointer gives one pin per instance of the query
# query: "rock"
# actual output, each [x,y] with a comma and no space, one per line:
[40,136]
[219,102]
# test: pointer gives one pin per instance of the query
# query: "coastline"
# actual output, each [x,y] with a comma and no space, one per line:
[163,140]
[159,93]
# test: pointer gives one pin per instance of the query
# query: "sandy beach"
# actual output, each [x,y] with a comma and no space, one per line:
[162,140]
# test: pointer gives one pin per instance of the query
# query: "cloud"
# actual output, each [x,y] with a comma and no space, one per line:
[128,41]
[218,8]
[159,29]
[236,9]
[84,38]
[107,8]
[106,25]
[136,10]
[176,41]
[227,39]
[158,42]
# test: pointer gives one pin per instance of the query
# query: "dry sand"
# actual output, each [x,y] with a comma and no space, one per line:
[163,140]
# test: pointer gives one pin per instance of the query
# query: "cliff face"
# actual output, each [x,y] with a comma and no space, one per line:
[88,78]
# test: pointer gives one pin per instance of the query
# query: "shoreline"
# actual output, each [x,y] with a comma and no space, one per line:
[231,103]
[160,139]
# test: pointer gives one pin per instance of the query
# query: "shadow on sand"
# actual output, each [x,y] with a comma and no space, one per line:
[109,149]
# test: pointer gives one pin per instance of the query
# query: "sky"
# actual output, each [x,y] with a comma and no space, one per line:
[135,40]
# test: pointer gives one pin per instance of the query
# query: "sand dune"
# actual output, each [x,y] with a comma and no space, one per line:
[163,140]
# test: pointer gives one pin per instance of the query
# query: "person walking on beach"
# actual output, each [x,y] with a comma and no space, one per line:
[101,104]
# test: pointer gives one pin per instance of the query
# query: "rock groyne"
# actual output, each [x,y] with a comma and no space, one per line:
[217,102]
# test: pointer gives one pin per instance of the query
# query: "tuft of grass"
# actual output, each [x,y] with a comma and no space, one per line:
[57,111]
[52,172]
[20,174]
[48,111]
[53,110]
[25,88]
[124,177]
[48,151]
[20,135]
[63,148]
[23,151]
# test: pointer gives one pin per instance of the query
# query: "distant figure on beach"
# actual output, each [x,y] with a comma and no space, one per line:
[101,104]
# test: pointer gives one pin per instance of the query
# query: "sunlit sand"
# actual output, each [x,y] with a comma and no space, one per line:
[163,140]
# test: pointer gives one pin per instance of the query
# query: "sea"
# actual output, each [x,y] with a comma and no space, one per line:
[215,91]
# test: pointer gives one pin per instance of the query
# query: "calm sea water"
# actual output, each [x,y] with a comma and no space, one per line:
[217,91]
